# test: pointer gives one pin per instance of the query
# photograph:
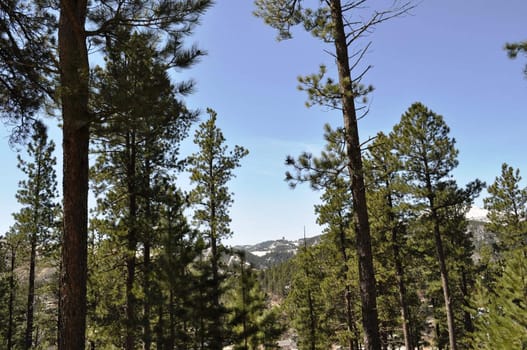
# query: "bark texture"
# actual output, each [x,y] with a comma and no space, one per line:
[74,97]
[360,216]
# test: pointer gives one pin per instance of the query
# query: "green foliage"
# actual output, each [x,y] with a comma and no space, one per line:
[306,303]
[507,206]
[37,222]
[251,322]
[27,63]
[500,302]
[141,123]
[501,319]
[38,192]
[210,171]
[428,155]
[276,280]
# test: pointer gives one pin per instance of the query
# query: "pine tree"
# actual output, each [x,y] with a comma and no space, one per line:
[29,67]
[246,303]
[137,139]
[390,221]
[304,303]
[329,21]
[507,206]
[329,173]
[501,319]
[501,300]
[14,248]
[37,194]
[210,170]
[429,155]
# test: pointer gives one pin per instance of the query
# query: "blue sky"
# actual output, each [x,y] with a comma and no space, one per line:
[446,54]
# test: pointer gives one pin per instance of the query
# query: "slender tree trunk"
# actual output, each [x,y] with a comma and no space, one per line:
[405,312]
[350,315]
[74,74]
[312,322]
[444,279]
[467,318]
[11,310]
[32,261]
[244,303]
[172,316]
[216,341]
[216,336]
[146,319]
[399,274]
[59,314]
[131,243]
[366,271]
[31,293]
[146,259]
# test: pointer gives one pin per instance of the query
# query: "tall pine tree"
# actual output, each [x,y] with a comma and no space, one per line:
[330,21]
[29,67]
[429,155]
[37,194]
[210,171]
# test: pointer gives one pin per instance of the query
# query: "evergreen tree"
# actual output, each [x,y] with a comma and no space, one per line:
[305,304]
[28,66]
[329,21]
[210,170]
[501,298]
[428,153]
[329,173]
[507,206]
[501,319]
[37,194]
[137,139]
[249,321]
[390,219]
[14,248]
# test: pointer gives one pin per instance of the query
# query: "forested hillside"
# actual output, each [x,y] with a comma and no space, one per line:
[399,263]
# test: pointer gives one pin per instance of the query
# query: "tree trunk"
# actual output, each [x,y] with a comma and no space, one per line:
[399,274]
[312,322]
[31,293]
[467,317]
[350,315]
[11,326]
[360,215]
[146,258]
[216,336]
[405,312]
[444,279]
[74,74]
[131,243]
[32,260]
[146,305]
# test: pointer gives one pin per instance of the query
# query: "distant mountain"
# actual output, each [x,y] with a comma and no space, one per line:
[266,254]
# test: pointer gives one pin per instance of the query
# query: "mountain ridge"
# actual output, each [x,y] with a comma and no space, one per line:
[268,253]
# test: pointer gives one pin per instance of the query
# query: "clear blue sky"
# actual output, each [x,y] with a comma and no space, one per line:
[447,54]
